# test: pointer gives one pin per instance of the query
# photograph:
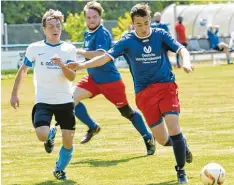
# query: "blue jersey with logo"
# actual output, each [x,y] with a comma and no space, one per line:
[213,38]
[160,25]
[147,57]
[101,39]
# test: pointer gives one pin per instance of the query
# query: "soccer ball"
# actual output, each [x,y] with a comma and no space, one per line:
[203,22]
[213,174]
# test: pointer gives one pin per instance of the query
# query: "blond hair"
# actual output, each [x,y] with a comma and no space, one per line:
[53,14]
[95,6]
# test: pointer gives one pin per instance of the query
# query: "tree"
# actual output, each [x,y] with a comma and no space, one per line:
[75,26]
[122,26]
[32,11]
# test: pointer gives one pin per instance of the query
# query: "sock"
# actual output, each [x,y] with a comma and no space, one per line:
[139,124]
[179,149]
[52,133]
[228,60]
[82,114]
[64,158]
[169,142]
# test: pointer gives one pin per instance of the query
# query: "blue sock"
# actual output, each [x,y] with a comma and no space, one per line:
[179,148]
[228,60]
[52,133]
[82,114]
[139,124]
[64,158]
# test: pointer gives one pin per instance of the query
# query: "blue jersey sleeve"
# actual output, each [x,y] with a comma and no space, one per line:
[120,48]
[172,44]
[103,41]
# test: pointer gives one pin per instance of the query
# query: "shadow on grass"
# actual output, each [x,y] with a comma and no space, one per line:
[104,163]
[165,183]
[57,182]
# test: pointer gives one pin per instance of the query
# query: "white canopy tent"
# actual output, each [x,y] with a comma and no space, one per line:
[198,17]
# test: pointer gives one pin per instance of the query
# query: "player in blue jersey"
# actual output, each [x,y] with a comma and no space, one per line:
[104,80]
[157,22]
[53,94]
[213,37]
[154,82]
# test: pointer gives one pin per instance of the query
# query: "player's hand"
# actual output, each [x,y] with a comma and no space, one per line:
[72,65]
[14,102]
[188,69]
[75,66]
[57,60]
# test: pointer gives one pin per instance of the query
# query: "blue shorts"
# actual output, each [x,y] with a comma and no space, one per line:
[42,114]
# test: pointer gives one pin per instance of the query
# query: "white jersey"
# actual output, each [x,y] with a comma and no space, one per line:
[51,86]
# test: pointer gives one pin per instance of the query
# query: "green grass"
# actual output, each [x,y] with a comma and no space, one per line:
[116,156]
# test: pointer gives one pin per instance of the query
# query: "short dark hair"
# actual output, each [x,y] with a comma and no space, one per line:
[141,10]
[54,14]
[180,18]
[95,6]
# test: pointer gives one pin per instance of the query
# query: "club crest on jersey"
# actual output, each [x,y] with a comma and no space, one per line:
[147,49]
[86,43]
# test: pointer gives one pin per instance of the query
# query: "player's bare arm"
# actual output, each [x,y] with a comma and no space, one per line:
[68,73]
[188,68]
[89,54]
[95,62]
[18,81]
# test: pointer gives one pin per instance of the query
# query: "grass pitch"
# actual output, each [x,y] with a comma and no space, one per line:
[116,156]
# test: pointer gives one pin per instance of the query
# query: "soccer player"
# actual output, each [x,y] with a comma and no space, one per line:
[213,37]
[157,22]
[154,82]
[104,80]
[181,36]
[53,83]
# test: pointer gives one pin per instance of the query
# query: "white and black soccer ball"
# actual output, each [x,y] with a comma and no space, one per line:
[213,174]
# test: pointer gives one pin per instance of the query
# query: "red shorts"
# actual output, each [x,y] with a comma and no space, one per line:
[113,91]
[158,100]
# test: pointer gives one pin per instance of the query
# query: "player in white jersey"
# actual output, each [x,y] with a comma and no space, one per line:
[53,95]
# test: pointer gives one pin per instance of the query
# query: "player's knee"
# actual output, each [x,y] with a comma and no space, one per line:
[127,112]
[162,141]
[42,137]
[76,98]
[42,133]
[76,95]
